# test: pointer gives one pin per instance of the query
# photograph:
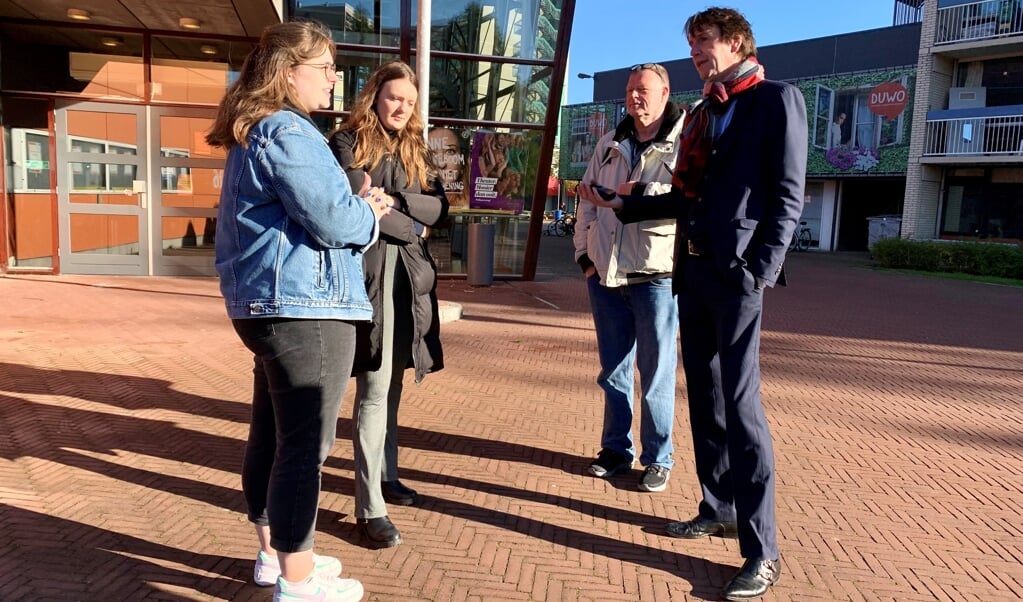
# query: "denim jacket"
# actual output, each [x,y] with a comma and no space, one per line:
[290,231]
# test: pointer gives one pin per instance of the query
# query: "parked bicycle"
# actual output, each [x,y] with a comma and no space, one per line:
[562,227]
[801,239]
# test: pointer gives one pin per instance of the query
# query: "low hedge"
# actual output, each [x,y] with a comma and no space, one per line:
[983,259]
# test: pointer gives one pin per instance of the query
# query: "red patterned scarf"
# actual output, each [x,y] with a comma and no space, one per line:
[696,140]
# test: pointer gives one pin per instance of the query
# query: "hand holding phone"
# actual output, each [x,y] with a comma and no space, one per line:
[605,193]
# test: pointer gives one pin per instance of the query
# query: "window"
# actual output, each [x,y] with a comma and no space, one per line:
[100,175]
[1002,79]
[844,118]
[824,134]
[30,155]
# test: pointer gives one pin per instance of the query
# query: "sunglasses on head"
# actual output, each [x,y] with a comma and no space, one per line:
[655,67]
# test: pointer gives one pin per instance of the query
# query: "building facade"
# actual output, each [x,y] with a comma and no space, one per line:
[104,106]
[965,177]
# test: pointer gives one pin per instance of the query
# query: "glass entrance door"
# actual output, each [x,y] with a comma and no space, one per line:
[138,189]
[101,189]
[186,174]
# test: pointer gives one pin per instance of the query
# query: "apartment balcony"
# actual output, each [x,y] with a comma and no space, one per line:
[979,24]
[974,139]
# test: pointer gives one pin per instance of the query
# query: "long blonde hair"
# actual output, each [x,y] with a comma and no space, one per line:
[262,87]
[373,141]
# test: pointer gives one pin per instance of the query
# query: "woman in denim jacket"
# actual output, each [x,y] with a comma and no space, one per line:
[289,243]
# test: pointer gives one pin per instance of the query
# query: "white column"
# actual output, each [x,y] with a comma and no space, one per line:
[423,60]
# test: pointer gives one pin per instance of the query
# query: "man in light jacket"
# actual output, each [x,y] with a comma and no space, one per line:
[628,275]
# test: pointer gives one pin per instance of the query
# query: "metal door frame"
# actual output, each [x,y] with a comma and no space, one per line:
[177,265]
[98,263]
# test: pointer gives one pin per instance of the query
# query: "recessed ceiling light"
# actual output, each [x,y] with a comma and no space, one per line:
[208,49]
[78,14]
[111,41]
[189,23]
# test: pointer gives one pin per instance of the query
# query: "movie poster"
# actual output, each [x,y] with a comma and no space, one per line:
[496,176]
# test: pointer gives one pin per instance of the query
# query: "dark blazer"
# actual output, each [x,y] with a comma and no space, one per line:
[751,195]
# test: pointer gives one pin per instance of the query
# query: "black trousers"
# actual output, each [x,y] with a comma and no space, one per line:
[719,322]
[300,371]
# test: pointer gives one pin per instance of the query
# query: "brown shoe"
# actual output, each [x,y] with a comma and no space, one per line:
[702,527]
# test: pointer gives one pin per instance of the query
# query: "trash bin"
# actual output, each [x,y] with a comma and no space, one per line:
[480,255]
[881,227]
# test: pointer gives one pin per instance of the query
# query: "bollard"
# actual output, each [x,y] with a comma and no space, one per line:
[481,255]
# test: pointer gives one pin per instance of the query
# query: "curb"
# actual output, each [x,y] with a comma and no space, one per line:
[449,311]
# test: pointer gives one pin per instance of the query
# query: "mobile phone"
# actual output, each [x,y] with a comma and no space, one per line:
[605,193]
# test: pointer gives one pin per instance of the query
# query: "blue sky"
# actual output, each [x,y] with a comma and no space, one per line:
[611,34]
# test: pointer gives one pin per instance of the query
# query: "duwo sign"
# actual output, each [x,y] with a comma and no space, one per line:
[888,100]
[597,124]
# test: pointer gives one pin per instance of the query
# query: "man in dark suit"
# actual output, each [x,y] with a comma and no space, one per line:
[737,196]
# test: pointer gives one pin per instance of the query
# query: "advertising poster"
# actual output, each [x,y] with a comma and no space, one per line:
[496,175]
[859,124]
[450,158]
[586,130]
[581,128]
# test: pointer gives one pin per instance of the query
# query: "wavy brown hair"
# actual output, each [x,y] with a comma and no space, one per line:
[731,23]
[262,87]
[373,141]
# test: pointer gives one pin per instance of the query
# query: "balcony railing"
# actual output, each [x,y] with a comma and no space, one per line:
[975,136]
[978,21]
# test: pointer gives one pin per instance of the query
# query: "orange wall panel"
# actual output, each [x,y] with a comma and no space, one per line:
[33,225]
[113,127]
[91,232]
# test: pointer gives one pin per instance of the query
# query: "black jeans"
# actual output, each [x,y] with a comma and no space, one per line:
[301,370]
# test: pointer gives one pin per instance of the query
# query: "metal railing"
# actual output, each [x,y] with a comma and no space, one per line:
[978,21]
[974,136]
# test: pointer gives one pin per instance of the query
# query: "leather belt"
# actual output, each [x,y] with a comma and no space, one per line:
[697,248]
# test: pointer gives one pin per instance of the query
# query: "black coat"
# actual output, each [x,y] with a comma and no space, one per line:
[415,208]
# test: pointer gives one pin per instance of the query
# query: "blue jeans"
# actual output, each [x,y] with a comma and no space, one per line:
[636,326]
[301,370]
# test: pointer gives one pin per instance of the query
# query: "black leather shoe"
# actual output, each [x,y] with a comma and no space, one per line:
[398,494]
[752,580]
[702,527]
[380,532]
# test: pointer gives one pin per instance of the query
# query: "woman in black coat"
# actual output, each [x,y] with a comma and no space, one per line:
[382,143]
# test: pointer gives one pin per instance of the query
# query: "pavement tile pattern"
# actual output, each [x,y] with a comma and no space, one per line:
[896,403]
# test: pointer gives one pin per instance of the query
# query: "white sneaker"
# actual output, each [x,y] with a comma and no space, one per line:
[268,569]
[317,588]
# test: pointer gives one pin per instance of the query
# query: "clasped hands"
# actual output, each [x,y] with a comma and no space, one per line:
[591,193]
[378,200]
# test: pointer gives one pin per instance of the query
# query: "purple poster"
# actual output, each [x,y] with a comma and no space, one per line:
[495,182]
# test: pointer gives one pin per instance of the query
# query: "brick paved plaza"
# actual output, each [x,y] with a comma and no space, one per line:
[896,403]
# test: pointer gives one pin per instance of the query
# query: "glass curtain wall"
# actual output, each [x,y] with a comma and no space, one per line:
[492,66]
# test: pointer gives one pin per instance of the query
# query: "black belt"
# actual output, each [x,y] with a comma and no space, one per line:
[642,277]
[697,247]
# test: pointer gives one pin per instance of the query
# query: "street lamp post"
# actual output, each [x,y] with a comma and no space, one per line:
[587,76]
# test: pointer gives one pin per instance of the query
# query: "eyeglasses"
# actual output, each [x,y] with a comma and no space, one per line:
[655,67]
[329,69]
